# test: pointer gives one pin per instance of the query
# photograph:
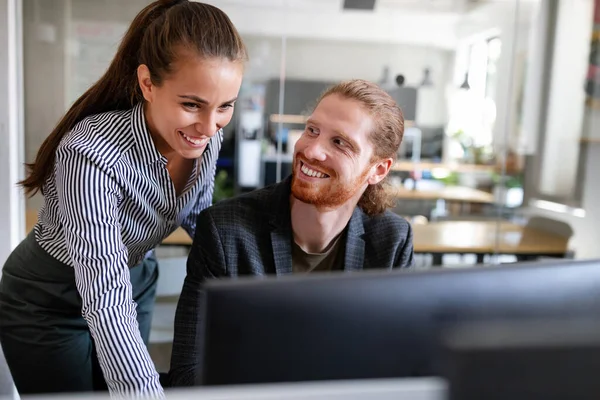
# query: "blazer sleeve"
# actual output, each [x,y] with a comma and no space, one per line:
[405,255]
[205,261]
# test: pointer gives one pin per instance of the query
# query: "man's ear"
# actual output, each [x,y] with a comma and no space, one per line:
[380,170]
[145,82]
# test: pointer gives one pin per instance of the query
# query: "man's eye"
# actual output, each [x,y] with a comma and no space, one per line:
[340,142]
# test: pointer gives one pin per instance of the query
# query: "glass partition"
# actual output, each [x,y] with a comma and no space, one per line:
[457,71]
[485,88]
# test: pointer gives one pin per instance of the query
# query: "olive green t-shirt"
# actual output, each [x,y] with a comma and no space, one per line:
[331,259]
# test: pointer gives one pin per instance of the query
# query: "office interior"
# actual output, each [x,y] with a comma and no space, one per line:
[501,100]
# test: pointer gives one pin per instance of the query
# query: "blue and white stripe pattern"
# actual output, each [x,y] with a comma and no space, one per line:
[109,202]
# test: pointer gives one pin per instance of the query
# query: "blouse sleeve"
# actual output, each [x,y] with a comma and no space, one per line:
[88,197]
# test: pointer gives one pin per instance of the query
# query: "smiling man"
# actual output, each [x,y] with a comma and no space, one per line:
[331,214]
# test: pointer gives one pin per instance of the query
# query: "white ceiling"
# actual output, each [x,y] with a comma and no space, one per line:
[380,5]
[433,23]
[429,6]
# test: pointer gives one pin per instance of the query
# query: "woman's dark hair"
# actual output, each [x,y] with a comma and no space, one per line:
[161,32]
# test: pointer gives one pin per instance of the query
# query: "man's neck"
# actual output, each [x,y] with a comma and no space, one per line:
[315,229]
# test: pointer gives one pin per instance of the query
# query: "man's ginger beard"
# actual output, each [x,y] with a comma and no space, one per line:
[329,194]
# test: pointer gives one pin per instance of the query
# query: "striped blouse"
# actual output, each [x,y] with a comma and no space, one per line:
[109,202]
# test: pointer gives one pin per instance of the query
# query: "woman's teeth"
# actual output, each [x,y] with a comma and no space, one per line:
[197,142]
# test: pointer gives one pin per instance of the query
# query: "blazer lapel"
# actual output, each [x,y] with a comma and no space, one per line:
[355,244]
[282,251]
[281,228]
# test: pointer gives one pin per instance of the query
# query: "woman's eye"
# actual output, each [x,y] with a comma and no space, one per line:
[226,106]
[192,106]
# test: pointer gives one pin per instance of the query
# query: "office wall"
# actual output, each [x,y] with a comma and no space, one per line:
[11,200]
[569,68]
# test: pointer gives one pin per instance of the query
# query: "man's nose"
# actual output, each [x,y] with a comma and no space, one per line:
[315,151]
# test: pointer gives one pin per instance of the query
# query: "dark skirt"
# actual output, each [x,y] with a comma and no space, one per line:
[46,341]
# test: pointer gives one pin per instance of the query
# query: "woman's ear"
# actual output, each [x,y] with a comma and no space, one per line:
[145,82]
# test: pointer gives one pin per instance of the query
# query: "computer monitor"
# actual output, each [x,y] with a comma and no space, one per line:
[534,360]
[380,324]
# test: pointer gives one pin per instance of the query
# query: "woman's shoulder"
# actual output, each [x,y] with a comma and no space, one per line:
[101,135]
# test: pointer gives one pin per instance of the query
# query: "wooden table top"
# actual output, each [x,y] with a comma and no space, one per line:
[448,237]
[464,237]
[30,220]
[179,237]
[448,193]
[485,237]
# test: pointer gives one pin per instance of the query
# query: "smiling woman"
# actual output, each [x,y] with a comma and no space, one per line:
[189,107]
[132,159]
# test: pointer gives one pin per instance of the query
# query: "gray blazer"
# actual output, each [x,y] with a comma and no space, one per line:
[252,235]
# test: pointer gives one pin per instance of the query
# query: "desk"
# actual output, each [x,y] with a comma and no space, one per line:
[30,220]
[178,238]
[468,237]
[486,237]
[447,237]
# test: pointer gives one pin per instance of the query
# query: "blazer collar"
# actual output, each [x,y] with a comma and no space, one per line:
[279,213]
[355,244]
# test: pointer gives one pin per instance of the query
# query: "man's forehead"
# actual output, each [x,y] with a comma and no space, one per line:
[344,115]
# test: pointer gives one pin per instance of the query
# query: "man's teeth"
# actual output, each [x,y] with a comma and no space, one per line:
[312,172]
[193,141]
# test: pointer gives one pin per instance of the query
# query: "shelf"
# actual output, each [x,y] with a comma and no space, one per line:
[301,119]
[288,118]
[408,166]
[285,158]
[592,103]
[589,140]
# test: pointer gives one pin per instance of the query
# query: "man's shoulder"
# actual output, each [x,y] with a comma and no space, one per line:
[388,223]
[251,206]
